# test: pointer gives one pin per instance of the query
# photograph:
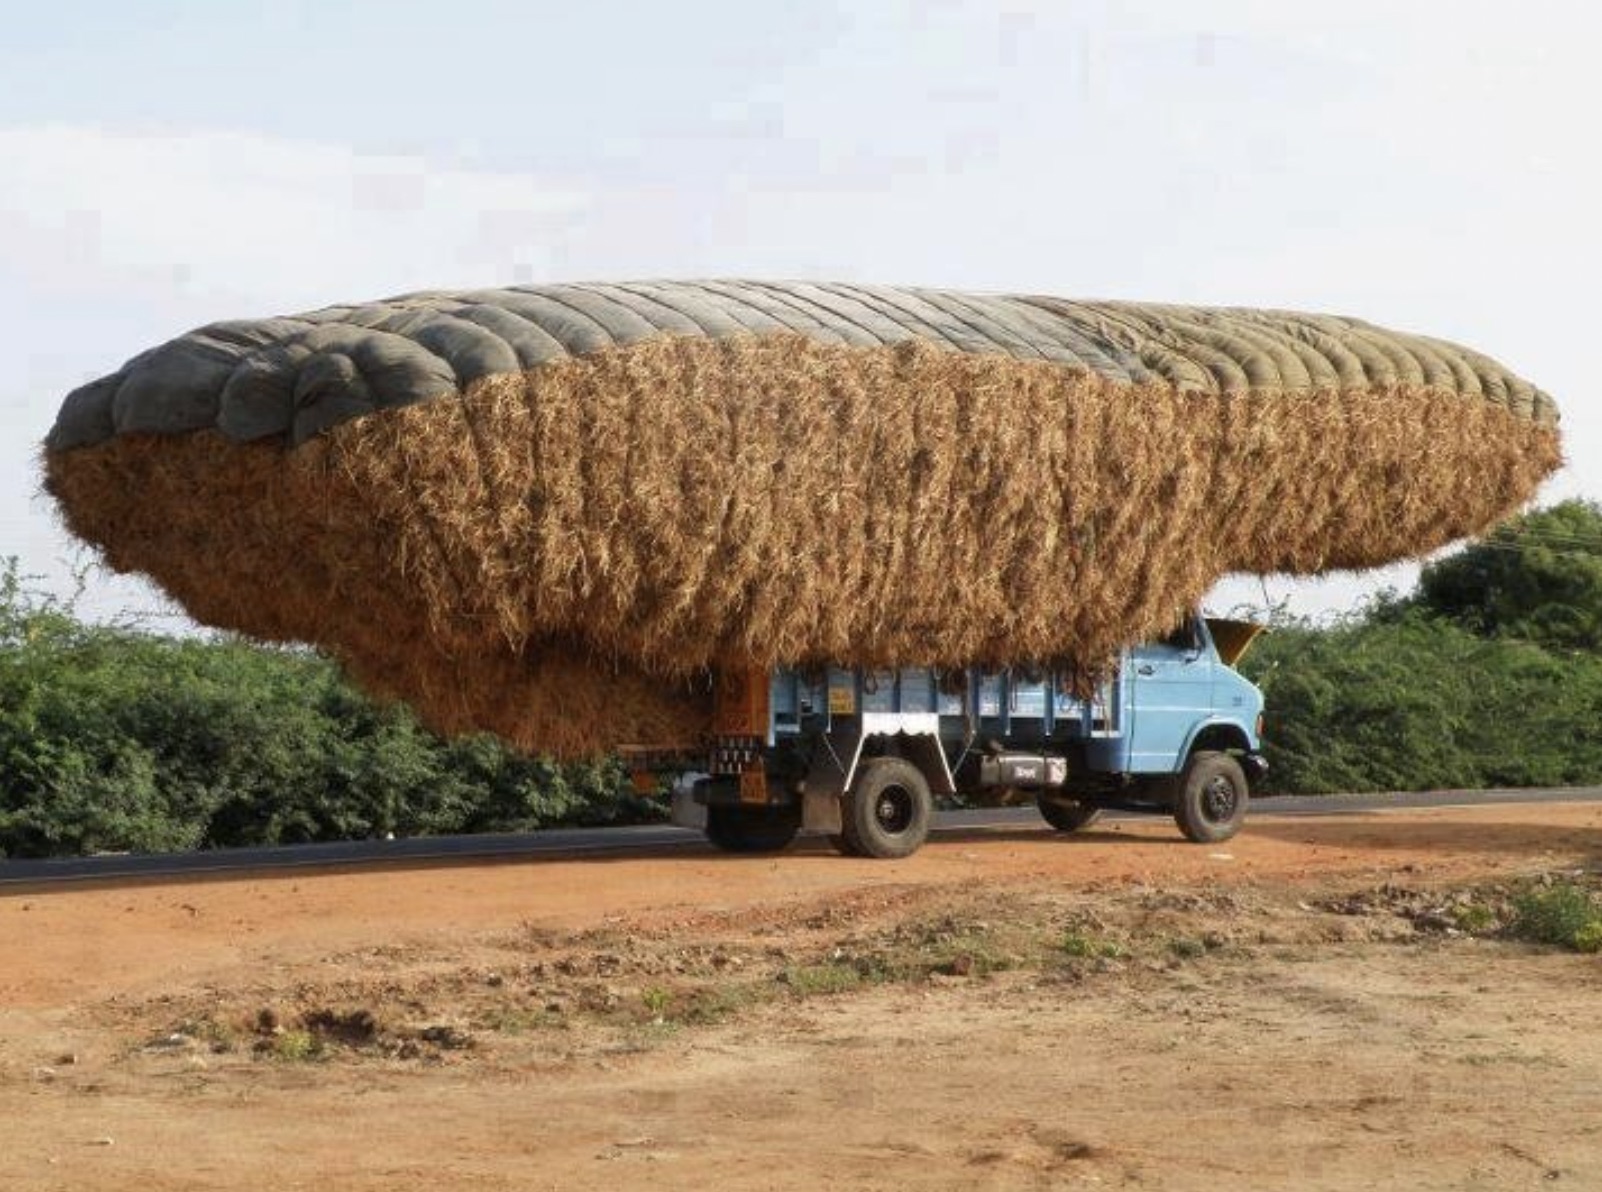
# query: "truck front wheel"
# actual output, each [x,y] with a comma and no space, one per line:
[888,813]
[1210,804]
[736,829]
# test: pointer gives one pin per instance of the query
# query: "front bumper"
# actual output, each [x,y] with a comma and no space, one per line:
[1256,767]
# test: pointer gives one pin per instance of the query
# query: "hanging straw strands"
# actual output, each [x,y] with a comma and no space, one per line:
[547,512]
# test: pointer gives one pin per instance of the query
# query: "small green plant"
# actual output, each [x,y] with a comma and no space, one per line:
[657,1002]
[1089,947]
[1476,918]
[1563,915]
[1589,937]
[218,1036]
[1185,948]
[296,1047]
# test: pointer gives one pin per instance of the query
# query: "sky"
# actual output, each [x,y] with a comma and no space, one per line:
[1431,166]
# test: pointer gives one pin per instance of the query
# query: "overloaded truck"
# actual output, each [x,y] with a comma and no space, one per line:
[863,755]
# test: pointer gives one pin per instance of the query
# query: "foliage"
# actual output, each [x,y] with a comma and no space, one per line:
[113,739]
[1539,578]
[1090,947]
[1564,915]
[1490,674]
[1415,703]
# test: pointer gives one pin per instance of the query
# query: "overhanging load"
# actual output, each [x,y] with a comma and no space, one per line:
[546,511]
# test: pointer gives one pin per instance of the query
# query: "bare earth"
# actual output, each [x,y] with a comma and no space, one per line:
[1314,1006]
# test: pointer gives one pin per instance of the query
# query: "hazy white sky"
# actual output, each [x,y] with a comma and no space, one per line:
[1429,165]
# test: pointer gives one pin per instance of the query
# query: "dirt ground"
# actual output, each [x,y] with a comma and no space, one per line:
[1320,1004]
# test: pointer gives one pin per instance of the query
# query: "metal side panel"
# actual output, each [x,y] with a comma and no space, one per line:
[920,744]
[834,762]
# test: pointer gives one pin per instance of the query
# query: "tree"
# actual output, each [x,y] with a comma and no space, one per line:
[1539,578]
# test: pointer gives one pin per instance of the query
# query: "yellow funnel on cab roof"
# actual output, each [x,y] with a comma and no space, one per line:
[1233,638]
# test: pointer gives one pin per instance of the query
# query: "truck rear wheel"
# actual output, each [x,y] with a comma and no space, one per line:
[888,813]
[737,829]
[1210,803]
[1065,814]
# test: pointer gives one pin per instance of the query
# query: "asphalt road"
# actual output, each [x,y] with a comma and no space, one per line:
[570,842]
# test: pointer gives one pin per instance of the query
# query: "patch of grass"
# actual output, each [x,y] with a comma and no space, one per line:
[1475,918]
[1589,937]
[700,1005]
[1081,946]
[1185,948]
[519,1020]
[219,1037]
[295,1047]
[714,1003]
[1564,915]
[812,980]
[970,954]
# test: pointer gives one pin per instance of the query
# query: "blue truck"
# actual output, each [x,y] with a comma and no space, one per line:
[864,755]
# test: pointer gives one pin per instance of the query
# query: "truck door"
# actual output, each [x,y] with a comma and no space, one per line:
[1171,688]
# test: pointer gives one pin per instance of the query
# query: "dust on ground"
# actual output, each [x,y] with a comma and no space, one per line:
[1318,1004]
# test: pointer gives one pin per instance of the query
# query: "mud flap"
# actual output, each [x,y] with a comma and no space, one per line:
[923,750]
[820,812]
[684,811]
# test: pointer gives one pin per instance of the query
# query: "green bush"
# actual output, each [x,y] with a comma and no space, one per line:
[1405,701]
[1564,915]
[113,739]
[1490,674]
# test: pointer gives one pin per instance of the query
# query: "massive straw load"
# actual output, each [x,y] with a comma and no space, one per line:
[548,511]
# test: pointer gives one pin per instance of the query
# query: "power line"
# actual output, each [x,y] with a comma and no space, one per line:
[1556,537]
[1519,548]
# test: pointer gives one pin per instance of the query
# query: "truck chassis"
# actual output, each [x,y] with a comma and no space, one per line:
[863,756]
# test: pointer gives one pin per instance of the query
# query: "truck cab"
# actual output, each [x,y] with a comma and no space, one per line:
[863,755]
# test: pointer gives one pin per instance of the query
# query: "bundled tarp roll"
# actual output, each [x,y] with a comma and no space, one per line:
[549,511]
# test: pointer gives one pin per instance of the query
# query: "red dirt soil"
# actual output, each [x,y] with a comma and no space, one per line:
[1305,1049]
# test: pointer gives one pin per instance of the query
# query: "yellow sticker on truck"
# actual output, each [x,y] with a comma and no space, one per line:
[842,697]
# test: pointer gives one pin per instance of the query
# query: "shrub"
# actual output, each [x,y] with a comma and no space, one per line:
[1405,701]
[1564,915]
[113,739]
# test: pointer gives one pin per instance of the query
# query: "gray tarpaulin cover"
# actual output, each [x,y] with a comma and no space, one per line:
[302,374]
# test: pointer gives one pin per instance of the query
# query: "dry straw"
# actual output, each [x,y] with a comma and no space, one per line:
[550,511]
[561,554]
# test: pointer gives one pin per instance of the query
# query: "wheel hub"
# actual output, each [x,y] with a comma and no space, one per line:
[1219,799]
[893,809]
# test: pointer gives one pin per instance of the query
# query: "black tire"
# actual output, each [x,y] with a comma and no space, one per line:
[1066,814]
[842,845]
[888,813]
[737,829]
[1210,802]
